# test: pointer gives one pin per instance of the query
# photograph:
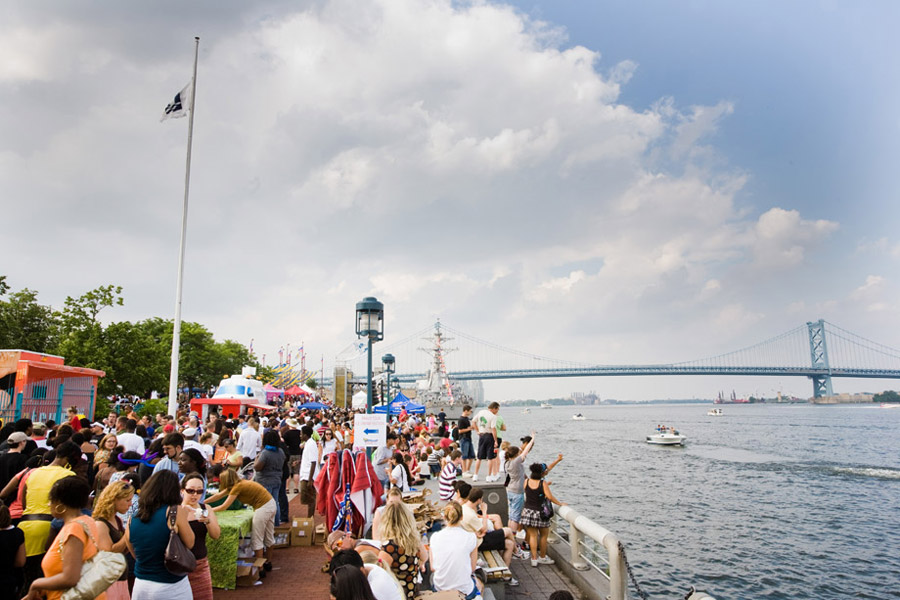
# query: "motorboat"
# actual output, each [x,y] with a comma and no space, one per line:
[545,405]
[669,437]
[715,412]
[525,411]
[578,417]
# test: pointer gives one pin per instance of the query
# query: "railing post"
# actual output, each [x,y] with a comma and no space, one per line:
[618,584]
[59,404]
[20,397]
[90,414]
[576,538]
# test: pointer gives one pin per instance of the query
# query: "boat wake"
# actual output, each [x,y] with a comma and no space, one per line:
[873,472]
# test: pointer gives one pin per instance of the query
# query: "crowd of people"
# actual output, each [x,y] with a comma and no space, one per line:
[120,485]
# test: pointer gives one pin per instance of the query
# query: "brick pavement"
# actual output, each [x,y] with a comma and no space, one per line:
[297,572]
[537,583]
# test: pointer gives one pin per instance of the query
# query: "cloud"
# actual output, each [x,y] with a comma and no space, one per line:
[782,237]
[455,159]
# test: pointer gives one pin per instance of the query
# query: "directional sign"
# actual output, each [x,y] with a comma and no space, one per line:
[369,431]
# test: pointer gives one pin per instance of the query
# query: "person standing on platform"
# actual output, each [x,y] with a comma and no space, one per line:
[488,441]
[464,431]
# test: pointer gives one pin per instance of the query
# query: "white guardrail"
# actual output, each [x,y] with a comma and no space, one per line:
[584,556]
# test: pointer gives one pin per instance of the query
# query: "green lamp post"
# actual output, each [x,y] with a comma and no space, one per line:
[370,324]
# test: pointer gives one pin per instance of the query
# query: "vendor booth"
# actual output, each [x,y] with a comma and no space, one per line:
[41,387]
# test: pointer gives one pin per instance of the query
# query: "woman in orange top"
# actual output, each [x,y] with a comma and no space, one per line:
[78,541]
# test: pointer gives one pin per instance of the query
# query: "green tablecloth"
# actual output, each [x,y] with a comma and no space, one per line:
[223,552]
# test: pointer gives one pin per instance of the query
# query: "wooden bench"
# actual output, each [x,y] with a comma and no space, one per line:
[497,572]
[496,569]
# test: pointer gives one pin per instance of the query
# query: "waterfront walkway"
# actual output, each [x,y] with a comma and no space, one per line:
[298,574]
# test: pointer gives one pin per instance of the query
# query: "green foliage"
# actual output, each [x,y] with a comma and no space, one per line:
[102,406]
[135,356]
[312,384]
[886,396]
[24,323]
[153,406]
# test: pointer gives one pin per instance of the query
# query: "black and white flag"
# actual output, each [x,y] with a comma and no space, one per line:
[179,106]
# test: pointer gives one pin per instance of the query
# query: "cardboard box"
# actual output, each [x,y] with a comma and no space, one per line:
[245,549]
[282,536]
[248,572]
[303,531]
[321,534]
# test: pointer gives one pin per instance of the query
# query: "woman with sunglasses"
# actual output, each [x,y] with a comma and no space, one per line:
[115,498]
[330,443]
[202,521]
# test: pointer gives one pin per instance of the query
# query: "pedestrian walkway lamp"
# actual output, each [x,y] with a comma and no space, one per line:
[387,365]
[370,324]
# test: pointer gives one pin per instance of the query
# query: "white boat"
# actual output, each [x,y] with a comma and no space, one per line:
[525,411]
[578,417]
[667,438]
[715,412]
[889,405]
[545,405]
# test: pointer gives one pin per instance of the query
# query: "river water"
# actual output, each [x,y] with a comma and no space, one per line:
[768,501]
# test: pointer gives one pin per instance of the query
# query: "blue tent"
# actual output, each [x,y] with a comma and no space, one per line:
[314,406]
[397,405]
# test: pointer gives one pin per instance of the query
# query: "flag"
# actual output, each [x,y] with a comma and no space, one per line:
[179,106]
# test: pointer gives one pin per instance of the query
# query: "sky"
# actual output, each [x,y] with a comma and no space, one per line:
[604,182]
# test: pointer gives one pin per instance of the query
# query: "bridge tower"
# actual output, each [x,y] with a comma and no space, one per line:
[818,351]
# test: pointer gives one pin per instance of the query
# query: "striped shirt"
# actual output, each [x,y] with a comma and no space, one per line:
[448,476]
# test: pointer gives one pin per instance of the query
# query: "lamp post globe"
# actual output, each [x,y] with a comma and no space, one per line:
[369,324]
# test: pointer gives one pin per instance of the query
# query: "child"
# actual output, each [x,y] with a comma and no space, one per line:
[424,467]
[449,474]
[502,456]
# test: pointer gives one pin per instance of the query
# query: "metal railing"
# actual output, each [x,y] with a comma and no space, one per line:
[591,547]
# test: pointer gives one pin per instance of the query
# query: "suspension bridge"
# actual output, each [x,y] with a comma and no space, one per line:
[818,350]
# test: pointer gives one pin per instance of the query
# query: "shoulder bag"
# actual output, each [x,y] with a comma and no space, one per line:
[97,573]
[546,505]
[179,559]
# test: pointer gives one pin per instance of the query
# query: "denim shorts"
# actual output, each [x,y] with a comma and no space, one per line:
[467,449]
[516,501]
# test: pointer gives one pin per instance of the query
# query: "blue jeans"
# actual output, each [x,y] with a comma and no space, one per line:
[465,446]
[272,488]
[471,595]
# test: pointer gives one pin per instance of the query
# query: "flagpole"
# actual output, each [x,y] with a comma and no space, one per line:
[176,331]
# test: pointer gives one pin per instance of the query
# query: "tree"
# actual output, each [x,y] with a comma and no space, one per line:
[4,287]
[886,396]
[24,323]
[137,364]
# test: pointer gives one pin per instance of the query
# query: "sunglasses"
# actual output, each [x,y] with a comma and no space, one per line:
[194,491]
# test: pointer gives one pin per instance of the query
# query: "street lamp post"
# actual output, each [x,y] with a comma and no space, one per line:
[370,324]
[387,364]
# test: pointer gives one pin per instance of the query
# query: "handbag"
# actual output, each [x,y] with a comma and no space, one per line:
[546,505]
[97,573]
[179,560]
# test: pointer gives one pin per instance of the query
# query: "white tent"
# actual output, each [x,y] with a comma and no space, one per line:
[359,400]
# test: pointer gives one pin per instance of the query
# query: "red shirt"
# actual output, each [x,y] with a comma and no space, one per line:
[75,423]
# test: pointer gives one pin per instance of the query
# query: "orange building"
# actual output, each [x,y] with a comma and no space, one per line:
[41,387]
